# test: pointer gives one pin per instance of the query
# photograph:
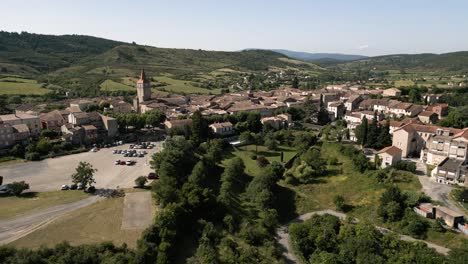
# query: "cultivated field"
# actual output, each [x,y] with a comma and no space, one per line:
[109,85]
[20,86]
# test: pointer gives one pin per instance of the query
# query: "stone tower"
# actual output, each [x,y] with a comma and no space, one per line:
[143,88]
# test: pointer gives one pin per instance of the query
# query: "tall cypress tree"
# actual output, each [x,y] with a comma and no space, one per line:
[361,132]
[385,139]
[373,133]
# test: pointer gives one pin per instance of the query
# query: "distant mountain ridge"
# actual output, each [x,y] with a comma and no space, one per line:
[306,56]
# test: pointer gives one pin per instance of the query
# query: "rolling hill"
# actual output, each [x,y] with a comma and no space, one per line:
[441,63]
[84,62]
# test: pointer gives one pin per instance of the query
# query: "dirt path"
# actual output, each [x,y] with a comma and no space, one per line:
[13,229]
[283,238]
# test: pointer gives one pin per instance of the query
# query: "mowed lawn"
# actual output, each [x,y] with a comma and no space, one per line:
[20,86]
[95,223]
[110,85]
[251,167]
[182,86]
[12,206]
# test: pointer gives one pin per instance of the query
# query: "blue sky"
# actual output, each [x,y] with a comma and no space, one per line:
[345,26]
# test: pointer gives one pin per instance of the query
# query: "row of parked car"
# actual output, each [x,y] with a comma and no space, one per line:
[131,153]
[123,162]
[142,145]
[79,186]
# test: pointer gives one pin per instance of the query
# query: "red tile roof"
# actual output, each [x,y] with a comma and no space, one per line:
[391,150]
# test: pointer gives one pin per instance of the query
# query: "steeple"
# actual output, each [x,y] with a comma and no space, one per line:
[143,88]
[142,77]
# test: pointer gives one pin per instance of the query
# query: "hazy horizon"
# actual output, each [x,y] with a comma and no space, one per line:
[365,27]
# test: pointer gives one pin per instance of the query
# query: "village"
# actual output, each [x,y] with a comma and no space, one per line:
[90,123]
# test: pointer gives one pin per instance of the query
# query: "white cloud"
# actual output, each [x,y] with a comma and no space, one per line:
[363,47]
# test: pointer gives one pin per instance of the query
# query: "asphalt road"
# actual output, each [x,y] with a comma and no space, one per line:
[50,174]
[283,238]
[437,191]
[13,229]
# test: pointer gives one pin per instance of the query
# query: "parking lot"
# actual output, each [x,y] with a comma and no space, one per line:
[51,174]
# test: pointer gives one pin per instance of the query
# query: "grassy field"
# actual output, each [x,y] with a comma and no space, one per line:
[12,206]
[178,86]
[95,223]
[251,166]
[400,83]
[109,85]
[361,192]
[20,86]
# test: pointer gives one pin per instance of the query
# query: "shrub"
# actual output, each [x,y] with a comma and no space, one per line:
[333,161]
[33,156]
[18,187]
[141,181]
[253,156]
[262,162]
[339,202]
[405,165]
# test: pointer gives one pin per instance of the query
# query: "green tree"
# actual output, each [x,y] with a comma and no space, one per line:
[84,174]
[141,181]
[323,117]
[414,95]
[373,133]
[295,82]
[43,146]
[385,138]
[339,202]
[154,118]
[361,132]
[200,129]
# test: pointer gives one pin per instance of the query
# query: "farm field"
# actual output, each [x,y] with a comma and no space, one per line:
[179,86]
[20,86]
[109,85]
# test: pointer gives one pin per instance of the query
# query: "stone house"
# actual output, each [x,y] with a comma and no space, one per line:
[428,117]
[392,92]
[52,120]
[31,121]
[223,129]
[389,156]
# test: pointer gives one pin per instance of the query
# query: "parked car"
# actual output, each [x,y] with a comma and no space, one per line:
[90,189]
[122,162]
[130,162]
[115,151]
[73,186]
[4,189]
[141,155]
[126,155]
[64,187]
[79,186]
[117,162]
[152,176]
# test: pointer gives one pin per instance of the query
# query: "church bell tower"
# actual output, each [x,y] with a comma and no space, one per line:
[143,88]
